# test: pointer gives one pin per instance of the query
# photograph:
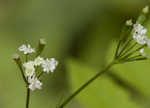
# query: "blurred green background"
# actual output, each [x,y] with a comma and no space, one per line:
[81,34]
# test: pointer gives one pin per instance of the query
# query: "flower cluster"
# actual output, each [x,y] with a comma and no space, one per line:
[127,50]
[26,49]
[140,36]
[30,67]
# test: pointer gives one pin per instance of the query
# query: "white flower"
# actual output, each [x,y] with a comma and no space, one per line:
[49,65]
[29,68]
[34,83]
[38,61]
[26,49]
[142,52]
[129,22]
[139,34]
[141,39]
[145,9]
[139,29]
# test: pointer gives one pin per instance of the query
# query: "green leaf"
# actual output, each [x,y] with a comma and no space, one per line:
[102,93]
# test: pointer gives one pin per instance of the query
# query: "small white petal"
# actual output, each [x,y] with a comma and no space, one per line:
[49,65]
[139,34]
[141,39]
[143,52]
[22,48]
[38,61]
[143,31]
[26,49]
[29,68]
[34,83]
[129,22]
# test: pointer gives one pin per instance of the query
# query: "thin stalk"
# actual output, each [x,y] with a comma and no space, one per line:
[135,57]
[118,46]
[28,98]
[128,49]
[40,47]
[132,60]
[85,85]
[28,90]
[40,74]
[124,46]
[26,57]
[132,52]
[19,63]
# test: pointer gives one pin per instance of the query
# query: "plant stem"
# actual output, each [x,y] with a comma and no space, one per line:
[41,73]
[118,46]
[128,49]
[19,63]
[126,56]
[85,85]
[28,98]
[124,46]
[26,57]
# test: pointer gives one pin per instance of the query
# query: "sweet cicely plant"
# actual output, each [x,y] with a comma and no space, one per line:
[33,66]
[131,47]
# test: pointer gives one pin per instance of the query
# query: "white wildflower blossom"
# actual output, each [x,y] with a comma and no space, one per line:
[145,9]
[34,83]
[29,68]
[142,52]
[38,61]
[139,29]
[31,77]
[129,22]
[141,39]
[139,34]
[26,49]
[49,65]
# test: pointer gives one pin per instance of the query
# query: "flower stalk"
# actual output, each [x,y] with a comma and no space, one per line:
[41,47]
[17,59]
[86,84]
[30,68]
[27,98]
[124,51]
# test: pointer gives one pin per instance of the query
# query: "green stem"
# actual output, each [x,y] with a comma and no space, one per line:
[41,73]
[134,57]
[28,98]
[19,63]
[128,49]
[26,57]
[132,60]
[28,90]
[118,46]
[40,47]
[85,85]
[124,46]
[126,56]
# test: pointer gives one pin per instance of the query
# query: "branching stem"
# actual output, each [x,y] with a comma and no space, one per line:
[85,85]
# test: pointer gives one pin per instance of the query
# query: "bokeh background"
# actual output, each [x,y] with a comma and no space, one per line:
[81,34]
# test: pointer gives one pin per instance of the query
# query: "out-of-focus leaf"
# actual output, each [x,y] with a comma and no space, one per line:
[135,72]
[102,93]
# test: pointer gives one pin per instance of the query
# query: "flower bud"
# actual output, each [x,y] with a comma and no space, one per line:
[145,10]
[41,46]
